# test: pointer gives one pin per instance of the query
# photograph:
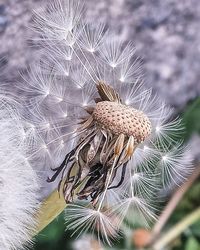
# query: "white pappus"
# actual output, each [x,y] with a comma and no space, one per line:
[18,181]
[111,143]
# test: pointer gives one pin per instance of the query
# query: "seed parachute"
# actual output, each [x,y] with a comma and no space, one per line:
[111,143]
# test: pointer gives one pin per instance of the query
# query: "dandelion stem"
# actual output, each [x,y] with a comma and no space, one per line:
[177,230]
[49,210]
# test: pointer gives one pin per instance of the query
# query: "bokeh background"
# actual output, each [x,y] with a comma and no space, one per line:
[166,34]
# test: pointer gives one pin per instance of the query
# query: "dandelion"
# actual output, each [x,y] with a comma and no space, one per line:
[110,142]
[18,182]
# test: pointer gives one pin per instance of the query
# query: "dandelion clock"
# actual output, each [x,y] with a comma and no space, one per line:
[110,143]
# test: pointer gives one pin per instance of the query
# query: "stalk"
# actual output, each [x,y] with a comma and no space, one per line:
[177,230]
[50,208]
[174,201]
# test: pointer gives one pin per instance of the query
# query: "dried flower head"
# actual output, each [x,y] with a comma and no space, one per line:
[109,141]
[18,186]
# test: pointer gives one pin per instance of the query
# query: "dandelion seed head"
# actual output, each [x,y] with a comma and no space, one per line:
[145,148]
[110,136]
[122,79]
[92,50]
[88,219]
[164,158]
[157,129]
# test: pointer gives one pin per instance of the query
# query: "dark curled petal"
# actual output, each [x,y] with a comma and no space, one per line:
[59,169]
[96,183]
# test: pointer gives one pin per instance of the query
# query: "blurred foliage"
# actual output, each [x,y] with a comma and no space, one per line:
[190,239]
[55,237]
[191,118]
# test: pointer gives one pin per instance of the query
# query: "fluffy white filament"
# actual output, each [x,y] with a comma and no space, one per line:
[75,55]
[18,185]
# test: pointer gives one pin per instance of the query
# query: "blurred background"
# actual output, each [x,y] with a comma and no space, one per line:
[166,35]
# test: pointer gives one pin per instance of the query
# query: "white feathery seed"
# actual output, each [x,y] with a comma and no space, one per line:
[62,91]
[18,182]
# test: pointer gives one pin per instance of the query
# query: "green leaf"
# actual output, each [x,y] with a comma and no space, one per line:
[196,229]
[192,244]
[191,118]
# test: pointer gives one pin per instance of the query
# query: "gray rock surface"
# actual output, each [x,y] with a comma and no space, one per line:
[166,34]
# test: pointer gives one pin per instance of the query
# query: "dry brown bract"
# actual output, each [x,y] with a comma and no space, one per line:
[110,135]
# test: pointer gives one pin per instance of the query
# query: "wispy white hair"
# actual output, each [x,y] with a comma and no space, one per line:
[75,56]
[18,182]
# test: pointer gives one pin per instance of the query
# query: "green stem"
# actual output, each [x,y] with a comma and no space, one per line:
[177,230]
[49,210]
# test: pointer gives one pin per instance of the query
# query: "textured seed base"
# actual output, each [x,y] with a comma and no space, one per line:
[122,119]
